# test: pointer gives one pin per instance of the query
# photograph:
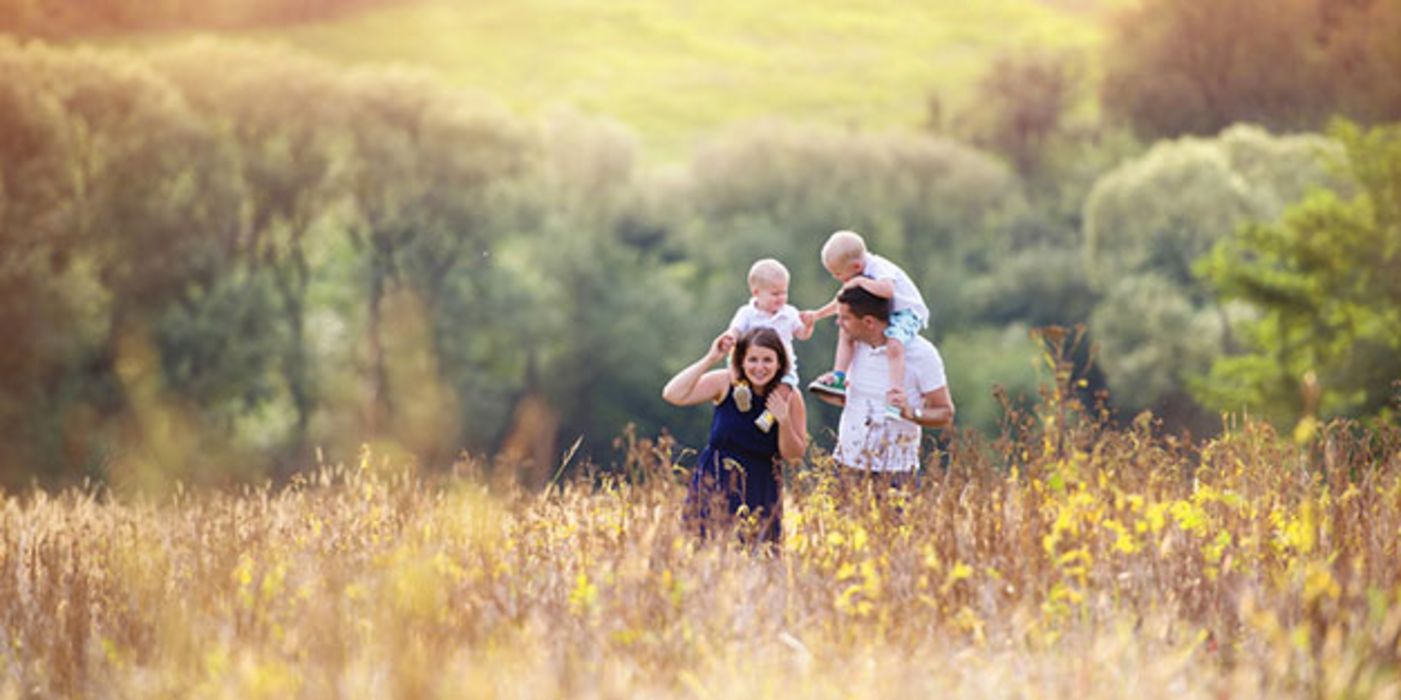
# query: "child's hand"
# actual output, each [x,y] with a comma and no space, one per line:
[807,318]
[723,344]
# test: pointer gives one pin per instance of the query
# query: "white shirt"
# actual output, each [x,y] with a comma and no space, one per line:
[907,295]
[868,437]
[784,322]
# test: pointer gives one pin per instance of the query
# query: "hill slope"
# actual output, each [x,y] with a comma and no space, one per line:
[676,71]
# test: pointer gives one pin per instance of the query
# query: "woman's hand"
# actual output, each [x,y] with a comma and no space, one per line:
[780,402]
[786,405]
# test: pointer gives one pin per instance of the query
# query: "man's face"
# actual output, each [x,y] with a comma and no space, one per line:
[862,328]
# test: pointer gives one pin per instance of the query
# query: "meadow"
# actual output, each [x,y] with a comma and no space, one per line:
[1064,558]
[264,211]
[676,72]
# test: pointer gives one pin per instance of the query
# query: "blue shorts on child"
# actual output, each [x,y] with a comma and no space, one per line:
[904,326]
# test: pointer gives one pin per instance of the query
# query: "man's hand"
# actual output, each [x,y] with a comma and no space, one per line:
[807,318]
[896,397]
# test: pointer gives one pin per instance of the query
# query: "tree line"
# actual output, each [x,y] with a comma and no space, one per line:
[220,258]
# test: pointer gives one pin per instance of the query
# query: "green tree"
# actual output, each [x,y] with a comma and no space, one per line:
[1326,281]
[1153,217]
[430,179]
[607,315]
[135,208]
[43,295]
[281,117]
[931,203]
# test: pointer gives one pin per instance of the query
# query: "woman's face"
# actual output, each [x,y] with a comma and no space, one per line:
[760,365]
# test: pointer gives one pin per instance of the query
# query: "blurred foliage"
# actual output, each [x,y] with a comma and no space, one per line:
[1325,280]
[227,260]
[1191,67]
[1022,108]
[931,203]
[1148,221]
[59,19]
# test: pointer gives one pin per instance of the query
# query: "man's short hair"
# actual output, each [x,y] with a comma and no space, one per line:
[863,303]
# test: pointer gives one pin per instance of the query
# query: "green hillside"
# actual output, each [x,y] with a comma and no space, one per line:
[676,71]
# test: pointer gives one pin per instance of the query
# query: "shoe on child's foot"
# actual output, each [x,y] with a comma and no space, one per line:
[836,386]
[893,412]
[743,397]
[765,421]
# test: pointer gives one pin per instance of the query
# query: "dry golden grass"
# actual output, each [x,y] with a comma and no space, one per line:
[1072,561]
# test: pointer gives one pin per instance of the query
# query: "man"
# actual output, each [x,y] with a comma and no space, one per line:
[869,438]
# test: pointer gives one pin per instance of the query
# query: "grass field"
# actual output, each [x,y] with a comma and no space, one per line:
[1076,562]
[676,72]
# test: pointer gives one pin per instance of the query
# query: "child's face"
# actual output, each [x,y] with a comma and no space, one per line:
[844,272]
[770,297]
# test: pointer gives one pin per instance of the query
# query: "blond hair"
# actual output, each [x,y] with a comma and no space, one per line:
[767,272]
[842,248]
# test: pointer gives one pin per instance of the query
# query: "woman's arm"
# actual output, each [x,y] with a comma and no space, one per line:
[694,385]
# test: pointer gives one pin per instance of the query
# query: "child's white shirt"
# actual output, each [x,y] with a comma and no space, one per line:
[907,295]
[784,322]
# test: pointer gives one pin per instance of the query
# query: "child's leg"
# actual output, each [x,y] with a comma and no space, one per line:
[834,382]
[845,349]
[895,353]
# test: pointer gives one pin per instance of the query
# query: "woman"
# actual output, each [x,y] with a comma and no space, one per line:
[739,466]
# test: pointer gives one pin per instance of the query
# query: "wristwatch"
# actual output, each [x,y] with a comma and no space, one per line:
[917,413]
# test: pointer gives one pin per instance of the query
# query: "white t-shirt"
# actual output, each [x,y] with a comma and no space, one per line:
[868,437]
[785,322]
[907,295]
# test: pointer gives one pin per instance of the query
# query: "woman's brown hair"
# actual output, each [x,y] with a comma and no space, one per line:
[764,338]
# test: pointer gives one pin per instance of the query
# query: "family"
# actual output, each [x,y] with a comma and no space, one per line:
[888,379]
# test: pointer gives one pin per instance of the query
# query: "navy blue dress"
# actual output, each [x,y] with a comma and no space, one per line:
[738,467]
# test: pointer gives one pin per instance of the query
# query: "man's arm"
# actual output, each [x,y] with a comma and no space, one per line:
[937,411]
